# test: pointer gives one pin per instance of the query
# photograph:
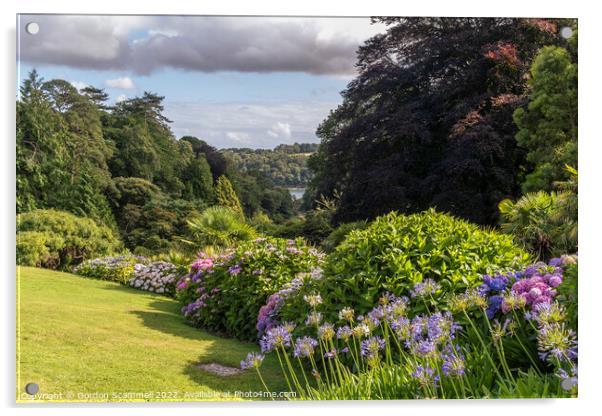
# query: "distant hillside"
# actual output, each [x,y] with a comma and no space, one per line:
[286,165]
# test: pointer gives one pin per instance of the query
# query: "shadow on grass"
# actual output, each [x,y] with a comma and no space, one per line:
[163,314]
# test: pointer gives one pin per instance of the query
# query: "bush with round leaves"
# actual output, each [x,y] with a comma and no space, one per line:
[395,252]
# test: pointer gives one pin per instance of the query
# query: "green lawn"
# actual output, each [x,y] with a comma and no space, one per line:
[82,336]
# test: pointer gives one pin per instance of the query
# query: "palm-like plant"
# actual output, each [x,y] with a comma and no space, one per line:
[218,227]
[545,223]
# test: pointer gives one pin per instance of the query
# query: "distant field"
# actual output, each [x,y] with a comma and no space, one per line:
[84,339]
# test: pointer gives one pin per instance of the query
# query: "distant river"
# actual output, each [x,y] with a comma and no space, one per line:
[296,193]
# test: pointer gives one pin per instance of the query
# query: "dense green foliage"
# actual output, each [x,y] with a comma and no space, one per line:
[428,120]
[60,147]
[336,237]
[396,251]
[222,292]
[226,197]
[286,165]
[58,240]
[122,166]
[548,124]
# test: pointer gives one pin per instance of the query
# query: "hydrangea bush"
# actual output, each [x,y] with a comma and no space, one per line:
[221,292]
[136,271]
[159,277]
[457,348]
[422,254]
[116,268]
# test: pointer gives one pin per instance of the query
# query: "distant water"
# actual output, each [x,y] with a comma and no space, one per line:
[296,193]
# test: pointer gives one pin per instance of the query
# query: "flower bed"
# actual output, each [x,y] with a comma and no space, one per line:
[221,292]
[135,271]
[159,277]
[513,336]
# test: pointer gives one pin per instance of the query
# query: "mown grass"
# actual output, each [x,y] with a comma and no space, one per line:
[89,340]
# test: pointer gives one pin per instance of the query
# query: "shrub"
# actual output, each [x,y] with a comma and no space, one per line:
[397,251]
[135,271]
[119,269]
[337,236]
[220,227]
[159,277]
[544,223]
[220,293]
[464,346]
[58,239]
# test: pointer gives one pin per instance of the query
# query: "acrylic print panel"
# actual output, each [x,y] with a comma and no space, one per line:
[288,208]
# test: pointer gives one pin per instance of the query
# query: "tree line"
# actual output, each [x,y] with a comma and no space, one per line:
[122,166]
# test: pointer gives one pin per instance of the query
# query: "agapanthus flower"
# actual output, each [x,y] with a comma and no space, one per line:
[274,338]
[499,330]
[326,332]
[304,347]
[313,319]
[424,348]
[234,270]
[425,376]
[441,327]
[344,333]
[471,299]
[361,330]
[402,328]
[313,300]
[425,288]
[371,346]
[396,308]
[253,360]
[330,354]
[568,382]
[453,364]
[549,313]
[556,343]
[346,314]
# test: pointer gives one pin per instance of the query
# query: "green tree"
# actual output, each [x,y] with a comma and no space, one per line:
[548,124]
[225,195]
[428,120]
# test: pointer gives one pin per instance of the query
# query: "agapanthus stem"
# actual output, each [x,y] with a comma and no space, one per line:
[485,347]
[263,383]
[288,383]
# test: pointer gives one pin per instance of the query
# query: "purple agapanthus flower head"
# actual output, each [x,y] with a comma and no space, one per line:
[253,360]
[305,347]
[371,346]
[276,337]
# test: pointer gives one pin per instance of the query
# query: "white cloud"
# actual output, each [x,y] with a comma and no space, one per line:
[79,84]
[280,131]
[145,44]
[169,33]
[238,136]
[232,124]
[121,97]
[125,83]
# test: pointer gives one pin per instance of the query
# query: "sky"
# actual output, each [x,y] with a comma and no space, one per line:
[232,81]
